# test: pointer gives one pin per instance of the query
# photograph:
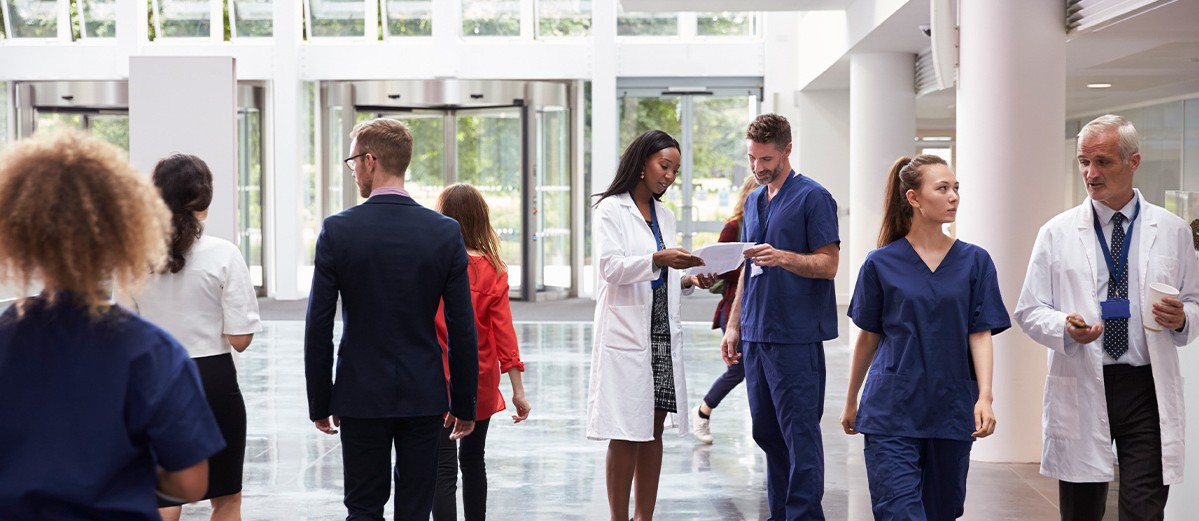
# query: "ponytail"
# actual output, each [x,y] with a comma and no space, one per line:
[905,175]
[185,183]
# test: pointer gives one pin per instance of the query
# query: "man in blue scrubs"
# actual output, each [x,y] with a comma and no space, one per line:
[784,310]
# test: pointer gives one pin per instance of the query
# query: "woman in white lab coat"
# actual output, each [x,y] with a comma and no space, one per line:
[637,359]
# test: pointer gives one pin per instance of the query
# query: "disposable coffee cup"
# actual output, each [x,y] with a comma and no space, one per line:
[1157,290]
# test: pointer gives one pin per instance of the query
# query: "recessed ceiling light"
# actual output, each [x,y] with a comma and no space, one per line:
[1098,85]
[936,138]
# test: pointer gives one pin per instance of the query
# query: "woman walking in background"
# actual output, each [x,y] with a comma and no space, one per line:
[734,374]
[103,407]
[927,305]
[637,359]
[205,300]
[498,353]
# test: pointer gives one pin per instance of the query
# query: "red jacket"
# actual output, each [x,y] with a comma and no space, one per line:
[731,279]
[498,351]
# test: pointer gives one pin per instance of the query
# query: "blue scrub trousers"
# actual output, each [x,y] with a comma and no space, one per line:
[917,478]
[785,383]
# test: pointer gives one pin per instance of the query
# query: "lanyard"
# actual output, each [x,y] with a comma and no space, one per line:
[1115,270]
[653,226]
[764,221]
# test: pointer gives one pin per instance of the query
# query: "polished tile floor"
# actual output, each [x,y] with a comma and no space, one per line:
[544,469]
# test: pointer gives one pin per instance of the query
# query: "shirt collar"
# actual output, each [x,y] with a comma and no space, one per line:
[390,190]
[1106,213]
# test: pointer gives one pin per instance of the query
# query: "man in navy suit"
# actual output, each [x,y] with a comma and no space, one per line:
[392,261]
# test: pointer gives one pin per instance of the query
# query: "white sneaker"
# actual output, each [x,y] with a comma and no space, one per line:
[700,427]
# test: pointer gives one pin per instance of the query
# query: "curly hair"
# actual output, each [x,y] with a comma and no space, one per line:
[770,128]
[75,215]
[185,183]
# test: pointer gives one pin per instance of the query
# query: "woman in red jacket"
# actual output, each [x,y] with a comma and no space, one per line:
[701,415]
[498,353]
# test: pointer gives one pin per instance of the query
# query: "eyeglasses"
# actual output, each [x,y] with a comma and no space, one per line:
[350,161]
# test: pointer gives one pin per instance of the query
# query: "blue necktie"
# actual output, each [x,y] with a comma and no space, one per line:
[1115,330]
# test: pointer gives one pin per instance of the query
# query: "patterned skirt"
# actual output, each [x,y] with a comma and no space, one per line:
[663,373]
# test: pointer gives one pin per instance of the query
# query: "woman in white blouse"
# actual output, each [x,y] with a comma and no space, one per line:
[206,301]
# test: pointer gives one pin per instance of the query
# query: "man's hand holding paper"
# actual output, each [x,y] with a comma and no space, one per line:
[720,257]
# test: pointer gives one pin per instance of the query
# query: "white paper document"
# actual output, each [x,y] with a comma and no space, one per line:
[720,257]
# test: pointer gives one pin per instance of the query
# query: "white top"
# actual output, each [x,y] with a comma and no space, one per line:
[211,297]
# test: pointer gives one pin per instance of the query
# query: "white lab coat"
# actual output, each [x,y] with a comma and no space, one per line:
[1062,278]
[620,398]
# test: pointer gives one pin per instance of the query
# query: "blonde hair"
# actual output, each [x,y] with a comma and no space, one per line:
[747,188]
[76,215]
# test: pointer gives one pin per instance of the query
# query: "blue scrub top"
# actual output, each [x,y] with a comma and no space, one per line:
[922,383]
[779,306]
[93,406]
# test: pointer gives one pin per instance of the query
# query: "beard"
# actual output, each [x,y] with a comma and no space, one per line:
[766,177]
[364,188]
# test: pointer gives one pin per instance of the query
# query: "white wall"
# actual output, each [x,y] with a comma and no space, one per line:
[188,104]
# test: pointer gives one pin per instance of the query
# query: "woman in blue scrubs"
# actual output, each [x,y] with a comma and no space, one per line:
[927,306]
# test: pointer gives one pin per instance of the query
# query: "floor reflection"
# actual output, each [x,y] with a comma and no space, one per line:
[544,468]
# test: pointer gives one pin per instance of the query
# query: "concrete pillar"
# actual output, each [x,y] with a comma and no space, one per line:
[1011,111]
[882,127]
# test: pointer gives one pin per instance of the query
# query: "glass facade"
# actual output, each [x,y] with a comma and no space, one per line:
[97,18]
[725,24]
[328,18]
[563,18]
[490,18]
[647,24]
[33,18]
[408,17]
[251,18]
[183,18]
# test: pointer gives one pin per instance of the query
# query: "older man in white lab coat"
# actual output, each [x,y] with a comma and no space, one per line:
[1110,379]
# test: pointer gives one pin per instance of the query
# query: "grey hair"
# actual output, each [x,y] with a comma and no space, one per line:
[1129,139]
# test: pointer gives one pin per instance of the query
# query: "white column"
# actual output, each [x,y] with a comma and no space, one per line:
[882,127]
[284,173]
[1011,112]
[188,104]
[605,151]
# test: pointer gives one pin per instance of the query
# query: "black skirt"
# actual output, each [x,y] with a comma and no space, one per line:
[219,377]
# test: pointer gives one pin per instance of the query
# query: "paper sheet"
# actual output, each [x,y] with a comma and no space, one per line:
[720,257]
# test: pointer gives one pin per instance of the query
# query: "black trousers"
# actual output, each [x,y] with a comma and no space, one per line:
[467,453]
[366,445]
[1136,430]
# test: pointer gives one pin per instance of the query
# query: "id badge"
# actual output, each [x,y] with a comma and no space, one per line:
[755,270]
[1114,308]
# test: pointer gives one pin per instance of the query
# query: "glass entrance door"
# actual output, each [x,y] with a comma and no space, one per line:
[711,129]
[512,140]
[477,146]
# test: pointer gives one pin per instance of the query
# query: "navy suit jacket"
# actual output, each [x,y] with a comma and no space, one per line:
[392,261]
